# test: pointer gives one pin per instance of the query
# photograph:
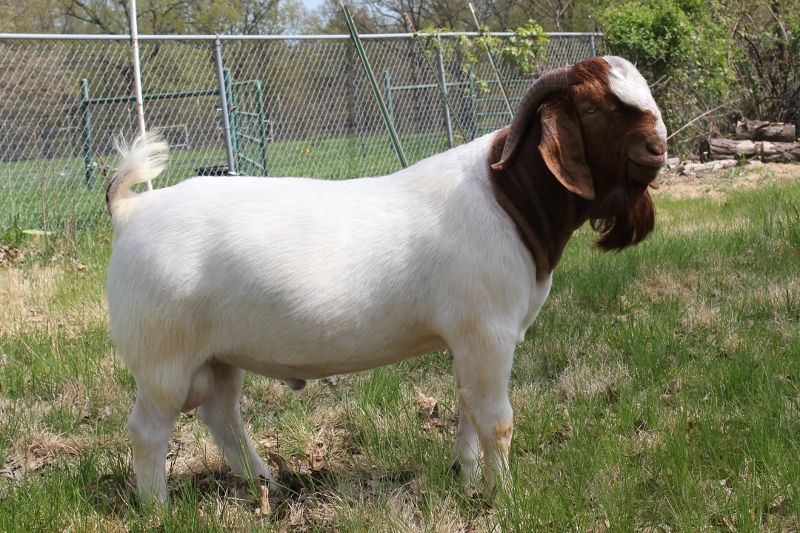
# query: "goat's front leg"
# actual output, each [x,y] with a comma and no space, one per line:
[466,450]
[483,370]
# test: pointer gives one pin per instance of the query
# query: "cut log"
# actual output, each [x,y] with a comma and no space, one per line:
[731,149]
[759,130]
[769,152]
[780,152]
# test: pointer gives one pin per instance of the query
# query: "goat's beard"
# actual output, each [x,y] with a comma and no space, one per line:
[624,217]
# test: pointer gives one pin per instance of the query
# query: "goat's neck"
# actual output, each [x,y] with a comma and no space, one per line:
[545,213]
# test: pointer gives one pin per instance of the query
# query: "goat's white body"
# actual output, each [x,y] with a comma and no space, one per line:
[295,278]
[300,278]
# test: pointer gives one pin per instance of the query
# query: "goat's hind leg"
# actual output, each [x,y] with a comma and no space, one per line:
[223,416]
[150,427]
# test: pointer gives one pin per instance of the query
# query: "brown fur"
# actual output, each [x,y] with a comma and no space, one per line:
[545,212]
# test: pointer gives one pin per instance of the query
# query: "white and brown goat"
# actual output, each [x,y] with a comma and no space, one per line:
[298,279]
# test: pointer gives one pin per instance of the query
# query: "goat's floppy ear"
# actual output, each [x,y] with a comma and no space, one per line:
[561,147]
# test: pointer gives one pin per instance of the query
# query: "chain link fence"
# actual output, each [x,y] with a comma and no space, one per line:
[298,106]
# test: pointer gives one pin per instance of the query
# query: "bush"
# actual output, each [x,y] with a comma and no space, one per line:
[682,51]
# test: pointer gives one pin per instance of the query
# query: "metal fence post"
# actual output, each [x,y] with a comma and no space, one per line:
[594,48]
[373,84]
[262,128]
[86,133]
[233,115]
[492,64]
[223,98]
[448,123]
[473,101]
[387,94]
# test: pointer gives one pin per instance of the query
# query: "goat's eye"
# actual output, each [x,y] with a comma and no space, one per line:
[590,109]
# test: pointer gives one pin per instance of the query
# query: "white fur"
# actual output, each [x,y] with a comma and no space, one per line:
[630,87]
[298,279]
[142,161]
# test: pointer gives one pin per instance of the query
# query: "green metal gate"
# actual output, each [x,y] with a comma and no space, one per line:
[250,129]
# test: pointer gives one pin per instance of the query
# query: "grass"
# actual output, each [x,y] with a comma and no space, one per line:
[659,390]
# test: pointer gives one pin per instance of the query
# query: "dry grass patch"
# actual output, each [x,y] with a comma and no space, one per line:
[582,379]
[662,285]
[38,449]
[29,295]
[26,294]
[717,185]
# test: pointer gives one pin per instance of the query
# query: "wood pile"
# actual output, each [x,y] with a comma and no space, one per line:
[770,142]
[759,130]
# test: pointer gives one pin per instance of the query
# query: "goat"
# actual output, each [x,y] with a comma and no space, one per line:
[298,279]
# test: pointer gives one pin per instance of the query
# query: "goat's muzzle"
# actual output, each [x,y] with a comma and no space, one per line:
[645,159]
[647,156]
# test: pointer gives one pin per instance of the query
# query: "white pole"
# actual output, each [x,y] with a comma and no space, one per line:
[137,74]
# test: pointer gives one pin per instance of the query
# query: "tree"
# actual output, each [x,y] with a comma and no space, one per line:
[498,15]
[30,16]
[155,16]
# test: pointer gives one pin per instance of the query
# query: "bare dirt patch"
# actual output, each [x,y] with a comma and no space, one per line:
[717,184]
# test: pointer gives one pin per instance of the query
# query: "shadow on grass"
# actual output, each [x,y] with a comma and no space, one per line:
[114,495]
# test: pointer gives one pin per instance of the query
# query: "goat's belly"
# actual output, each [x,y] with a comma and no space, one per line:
[319,360]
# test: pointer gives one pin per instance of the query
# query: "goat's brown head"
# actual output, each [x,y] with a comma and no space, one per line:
[602,137]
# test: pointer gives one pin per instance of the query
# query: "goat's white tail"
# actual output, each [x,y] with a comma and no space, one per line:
[143,160]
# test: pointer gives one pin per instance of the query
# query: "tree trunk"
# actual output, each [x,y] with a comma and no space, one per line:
[759,130]
[769,152]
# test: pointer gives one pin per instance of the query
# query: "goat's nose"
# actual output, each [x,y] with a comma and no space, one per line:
[657,147]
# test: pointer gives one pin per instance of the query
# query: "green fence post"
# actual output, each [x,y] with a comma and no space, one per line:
[387,94]
[492,64]
[86,120]
[262,127]
[373,84]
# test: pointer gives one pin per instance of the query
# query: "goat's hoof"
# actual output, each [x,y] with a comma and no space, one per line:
[456,468]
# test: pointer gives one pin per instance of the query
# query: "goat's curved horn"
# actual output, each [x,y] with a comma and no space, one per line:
[547,84]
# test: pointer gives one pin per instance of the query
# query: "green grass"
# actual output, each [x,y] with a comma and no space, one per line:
[659,388]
